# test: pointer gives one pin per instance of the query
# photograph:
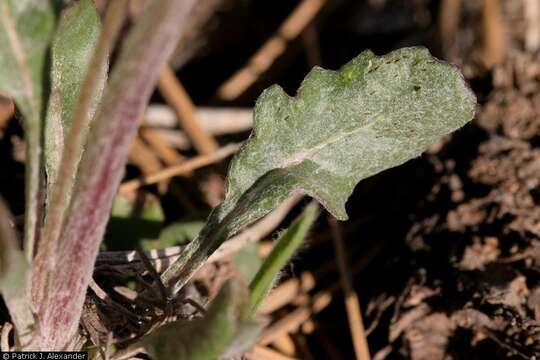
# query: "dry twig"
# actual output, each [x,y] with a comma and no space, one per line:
[285,345]
[286,292]
[175,95]
[181,169]
[142,157]
[352,304]
[7,109]
[162,149]
[261,61]
[449,14]
[215,120]
[495,42]
[532,18]
[265,353]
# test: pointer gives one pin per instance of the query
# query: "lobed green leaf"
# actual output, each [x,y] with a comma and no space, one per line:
[343,126]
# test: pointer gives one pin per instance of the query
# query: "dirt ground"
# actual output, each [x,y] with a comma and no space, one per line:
[458,275]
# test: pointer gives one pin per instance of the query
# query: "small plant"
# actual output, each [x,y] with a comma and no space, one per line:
[342,126]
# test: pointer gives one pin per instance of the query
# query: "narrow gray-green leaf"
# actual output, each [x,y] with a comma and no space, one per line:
[342,127]
[283,250]
[72,48]
[25,30]
[13,279]
[225,330]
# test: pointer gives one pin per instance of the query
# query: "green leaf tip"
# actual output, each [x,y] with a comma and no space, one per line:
[74,43]
[344,126]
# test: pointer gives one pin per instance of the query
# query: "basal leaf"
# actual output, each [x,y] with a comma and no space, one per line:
[72,48]
[25,30]
[64,174]
[225,330]
[13,279]
[144,50]
[343,126]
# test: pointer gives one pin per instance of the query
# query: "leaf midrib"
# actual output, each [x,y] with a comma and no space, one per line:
[312,152]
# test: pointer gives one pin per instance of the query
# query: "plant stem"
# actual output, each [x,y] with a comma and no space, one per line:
[131,83]
[45,259]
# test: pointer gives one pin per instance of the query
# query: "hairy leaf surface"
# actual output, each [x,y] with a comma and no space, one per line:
[72,48]
[226,330]
[343,126]
[25,29]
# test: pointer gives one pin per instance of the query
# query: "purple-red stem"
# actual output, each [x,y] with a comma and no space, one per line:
[147,47]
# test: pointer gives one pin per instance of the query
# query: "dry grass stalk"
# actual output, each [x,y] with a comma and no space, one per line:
[449,14]
[162,149]
[285,345]
[352,305]
[144,158]
[180,170]
[7,109]
[176,96]
[495,41]
[261,61]
[532,17]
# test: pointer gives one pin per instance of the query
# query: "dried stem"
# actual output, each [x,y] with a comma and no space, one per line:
[495,42]
[352,304]
[165,152]
[175,94]
[180,169]
[261,61]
